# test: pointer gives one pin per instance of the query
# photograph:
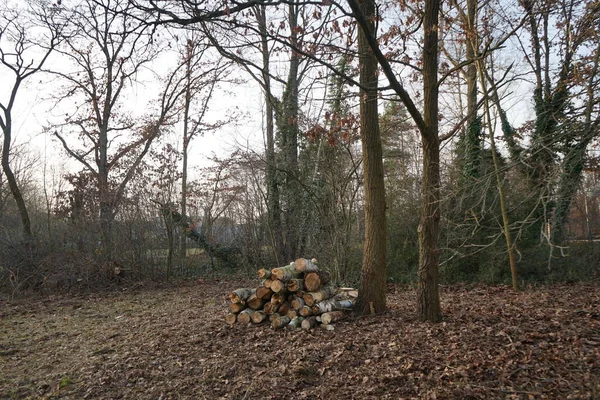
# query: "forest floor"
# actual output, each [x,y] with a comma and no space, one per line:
[172,343]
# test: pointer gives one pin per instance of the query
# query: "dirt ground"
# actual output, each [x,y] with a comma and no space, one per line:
[173,344]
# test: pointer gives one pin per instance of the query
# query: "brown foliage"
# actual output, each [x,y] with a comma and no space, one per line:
[172,343]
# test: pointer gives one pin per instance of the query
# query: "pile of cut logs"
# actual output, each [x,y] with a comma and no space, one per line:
[298,295]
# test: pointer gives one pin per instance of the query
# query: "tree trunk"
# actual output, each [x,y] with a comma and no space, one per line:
[373,273]
[273,198]
[170,227]
[12,181]
[428,298]
[288,132]
[186,142]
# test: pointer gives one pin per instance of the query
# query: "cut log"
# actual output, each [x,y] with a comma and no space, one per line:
[278,298]
[258,316]
[305,311]
[326,292]
[304,265]
[264,273]
[286,273]
[331,304]
[309,323]
[241,295]
[332,316]
[264,293]
[292,314]
[327,327]
[244,317]
[296,322]
[267,283]
[279,321]
[314,280]
[297,303]
[270,308]
[278,286]
[295,284]
[255,302]
[347,293]
[284,308]
[236,307]
[231,318]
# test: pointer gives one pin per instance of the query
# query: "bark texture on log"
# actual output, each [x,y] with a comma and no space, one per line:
[284,308]
[305,311]
[297,303]
[332,316]
[311,298]
[278,298]
[285,273]
[236,307]
[282,300]
[304,265]
[244,317]
[314,280]
[295,284]
[264,273]
[278,286]
[279,321]
[231,318]
[258,316]
[255,302]
[331,304]
[270,308]
[296,322]
[241,295]
[309,323]
[264,293]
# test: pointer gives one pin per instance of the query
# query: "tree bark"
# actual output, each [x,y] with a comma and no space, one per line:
[311,298]
[428,298]
[241,295]
[285,273]
[273,197]
[12,181]
[295,284]
[373,273]
[309,323]
[304,265]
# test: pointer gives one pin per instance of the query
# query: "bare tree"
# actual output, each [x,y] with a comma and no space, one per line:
[202,76]
[108,52]
[27,38]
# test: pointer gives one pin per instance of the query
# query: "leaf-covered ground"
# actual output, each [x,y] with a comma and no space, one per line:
[541,343]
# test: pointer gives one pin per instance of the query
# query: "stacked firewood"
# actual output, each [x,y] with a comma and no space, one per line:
[298,295]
